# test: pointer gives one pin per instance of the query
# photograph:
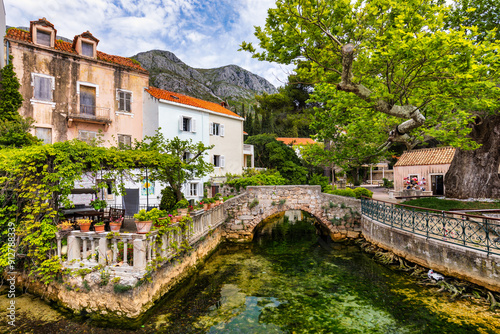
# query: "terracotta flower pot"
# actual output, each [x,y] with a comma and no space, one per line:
[99,228]
[85,227]
[205,207]
[144,226]
[115,227]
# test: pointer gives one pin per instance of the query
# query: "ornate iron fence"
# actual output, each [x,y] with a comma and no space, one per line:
[472,231]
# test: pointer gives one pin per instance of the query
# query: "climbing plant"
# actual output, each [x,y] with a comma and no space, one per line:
[36,181]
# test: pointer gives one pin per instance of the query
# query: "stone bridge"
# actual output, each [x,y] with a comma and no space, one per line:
[337,215]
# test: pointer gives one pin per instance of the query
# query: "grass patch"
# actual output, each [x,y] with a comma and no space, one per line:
[448,204]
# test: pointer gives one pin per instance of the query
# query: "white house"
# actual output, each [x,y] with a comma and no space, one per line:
[201,121]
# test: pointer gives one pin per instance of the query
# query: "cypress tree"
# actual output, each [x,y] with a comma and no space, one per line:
[10,98]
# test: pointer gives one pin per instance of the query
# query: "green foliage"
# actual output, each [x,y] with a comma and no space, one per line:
[255,178]
[168,199]
[320,180]
[253,203]
[273,154]
[120,288]
[37,180]
[388,183]
[446,204]
[151,215]
[359,192]
[178,170]
[343,192]
[182,204]
[10,98]
[405,58]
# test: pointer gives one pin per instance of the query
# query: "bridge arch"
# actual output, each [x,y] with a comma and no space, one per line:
[338,215]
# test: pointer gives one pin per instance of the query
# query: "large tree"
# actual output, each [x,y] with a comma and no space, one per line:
[184,160]
[397,62]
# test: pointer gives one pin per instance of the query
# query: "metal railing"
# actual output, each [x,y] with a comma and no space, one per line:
[471,231]
[90,112]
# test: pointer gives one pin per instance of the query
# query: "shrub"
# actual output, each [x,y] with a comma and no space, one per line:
[388,183]
[359,192]
[258,179]
[168,199]
[344,192]
[320,180]
[182,204]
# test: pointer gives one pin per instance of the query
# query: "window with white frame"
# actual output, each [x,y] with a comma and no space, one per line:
[186,156]
[124,99]
[216,129]
[219,161]
[187,124]
[193,189]
[87,136]
[43,86]
[44,134]
[124,141]
[87,49]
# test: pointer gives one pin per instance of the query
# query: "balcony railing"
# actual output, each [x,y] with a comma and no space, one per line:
[476,232]
[90,113]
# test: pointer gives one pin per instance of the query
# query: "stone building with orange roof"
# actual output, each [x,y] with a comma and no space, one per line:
[211,123]
[72,90]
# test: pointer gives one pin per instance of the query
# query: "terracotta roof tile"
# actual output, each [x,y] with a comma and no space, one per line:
[296,141]
[427,156]
[188,100]
[60,45]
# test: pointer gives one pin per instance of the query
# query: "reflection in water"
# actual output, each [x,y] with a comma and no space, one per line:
[290,280]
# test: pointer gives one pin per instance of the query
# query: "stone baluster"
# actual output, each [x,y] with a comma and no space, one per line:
[73,248]
[84,250]
[125,253]
[59,246]
[140,261]
[153,244]
[103,251]
[92,250]
[115,250]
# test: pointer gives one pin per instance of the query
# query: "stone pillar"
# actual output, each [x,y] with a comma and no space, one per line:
[73,248]
[139,254]
[103,250]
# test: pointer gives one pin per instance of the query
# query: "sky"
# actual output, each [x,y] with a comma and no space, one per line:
[202,33]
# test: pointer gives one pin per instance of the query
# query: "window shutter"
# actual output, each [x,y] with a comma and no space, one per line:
[118,95]
[222,161]
[211,128]
[221,130]
[193,125]
[127,102]
[180,122]
[200,189]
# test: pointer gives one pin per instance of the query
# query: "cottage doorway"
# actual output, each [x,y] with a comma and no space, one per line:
[437,182]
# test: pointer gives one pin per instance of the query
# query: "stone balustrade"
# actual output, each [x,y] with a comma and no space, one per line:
[86,250]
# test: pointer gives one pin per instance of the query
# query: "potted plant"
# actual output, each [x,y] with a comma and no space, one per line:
[98,204]
[65,226]
[144,220]
[212,202]
[218,198]
[99,227]
[84,224]
[115,224]
[182,207]
[204,203]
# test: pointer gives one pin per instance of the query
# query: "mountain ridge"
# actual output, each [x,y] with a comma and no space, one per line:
[230,83]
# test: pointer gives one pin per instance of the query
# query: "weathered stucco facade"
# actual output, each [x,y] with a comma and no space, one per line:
[71,90]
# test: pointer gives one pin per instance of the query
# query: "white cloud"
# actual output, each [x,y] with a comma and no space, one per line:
[202,33]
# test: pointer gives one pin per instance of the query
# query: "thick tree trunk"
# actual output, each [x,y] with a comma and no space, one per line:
[474,174]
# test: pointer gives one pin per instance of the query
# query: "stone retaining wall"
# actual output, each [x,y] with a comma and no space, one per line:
[447,259]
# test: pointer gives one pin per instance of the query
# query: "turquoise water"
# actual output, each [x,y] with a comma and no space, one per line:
[291,280]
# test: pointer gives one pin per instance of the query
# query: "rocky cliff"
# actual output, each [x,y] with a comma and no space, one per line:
[230,83]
